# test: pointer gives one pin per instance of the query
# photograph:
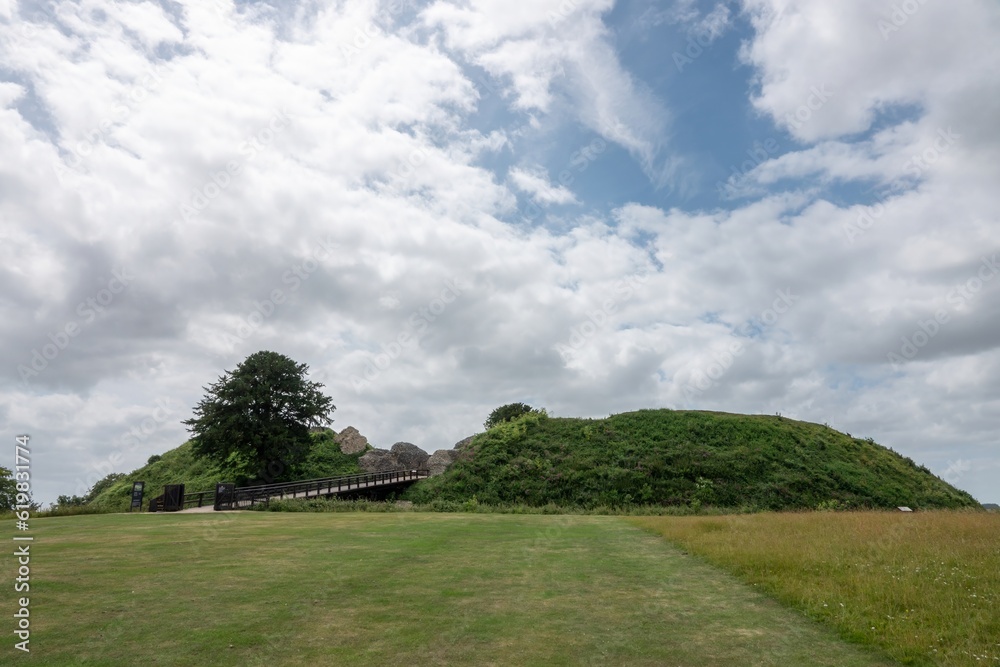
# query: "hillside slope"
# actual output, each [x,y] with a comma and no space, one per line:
[181,466]
[666,457]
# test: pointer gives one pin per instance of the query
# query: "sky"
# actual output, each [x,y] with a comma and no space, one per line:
[757,206]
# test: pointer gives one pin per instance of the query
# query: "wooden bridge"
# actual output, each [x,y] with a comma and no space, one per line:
[229,497]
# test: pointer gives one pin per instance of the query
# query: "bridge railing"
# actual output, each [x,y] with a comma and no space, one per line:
[199,498]
[193,499]
[247,496]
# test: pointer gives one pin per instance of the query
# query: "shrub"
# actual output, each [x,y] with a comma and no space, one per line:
[506,413]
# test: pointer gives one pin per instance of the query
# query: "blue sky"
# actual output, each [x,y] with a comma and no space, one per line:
[592,206]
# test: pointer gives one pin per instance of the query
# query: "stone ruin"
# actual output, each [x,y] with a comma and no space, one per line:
[401,456]
[351,441]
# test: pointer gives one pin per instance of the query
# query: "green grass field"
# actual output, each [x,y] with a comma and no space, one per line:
[924,587]
[388,589]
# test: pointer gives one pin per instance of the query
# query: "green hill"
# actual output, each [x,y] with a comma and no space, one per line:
[666,457]
[181,466]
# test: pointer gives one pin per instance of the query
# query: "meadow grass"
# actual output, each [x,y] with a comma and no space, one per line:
[277,589]
[923,587]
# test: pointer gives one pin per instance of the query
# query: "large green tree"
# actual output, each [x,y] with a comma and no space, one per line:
[254,421]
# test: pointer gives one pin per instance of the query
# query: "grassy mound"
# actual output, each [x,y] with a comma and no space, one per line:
[181,466]
[667,457]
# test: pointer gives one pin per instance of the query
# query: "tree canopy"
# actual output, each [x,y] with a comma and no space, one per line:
[505,413]
[8,489]
[254,421]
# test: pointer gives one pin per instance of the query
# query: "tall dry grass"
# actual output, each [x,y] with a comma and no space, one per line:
[924,587]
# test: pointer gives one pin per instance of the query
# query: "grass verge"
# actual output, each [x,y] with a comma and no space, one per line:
[474,507]
[923,587]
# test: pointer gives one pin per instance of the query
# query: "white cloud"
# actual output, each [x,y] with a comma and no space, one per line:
[714,24]
[374,195]
[559,53]
[935,60]
[704,28]
[536,183]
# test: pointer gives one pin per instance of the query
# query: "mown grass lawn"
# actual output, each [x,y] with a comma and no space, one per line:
[925,587]
[389,589]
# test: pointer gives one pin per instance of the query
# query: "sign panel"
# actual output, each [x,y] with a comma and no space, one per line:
[224,493]
[137,490]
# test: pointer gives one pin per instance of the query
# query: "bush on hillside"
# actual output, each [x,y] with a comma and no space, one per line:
[505,413]
[182,466]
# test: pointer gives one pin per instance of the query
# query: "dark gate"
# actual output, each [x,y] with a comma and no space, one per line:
[173,497]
